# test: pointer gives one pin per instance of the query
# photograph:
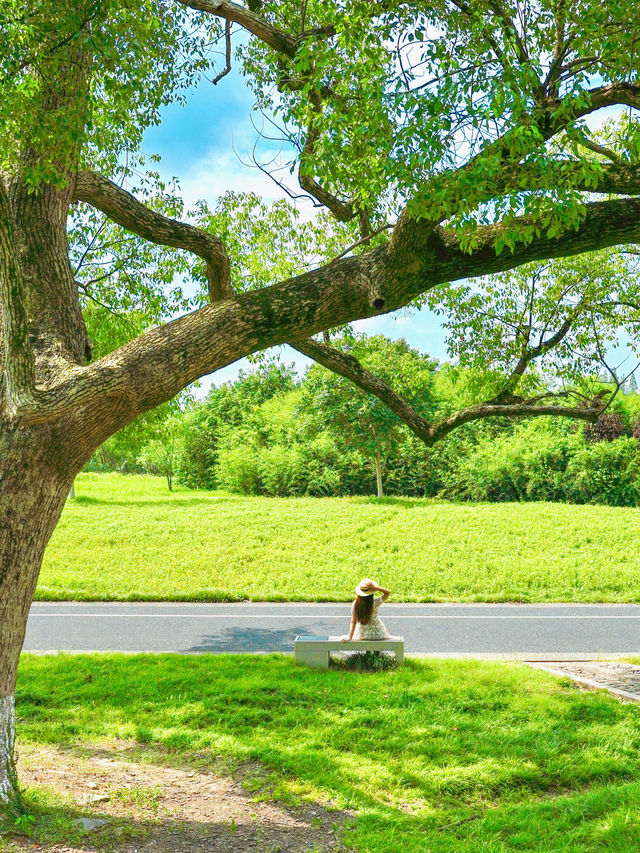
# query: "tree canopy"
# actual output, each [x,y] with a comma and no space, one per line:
[450,142]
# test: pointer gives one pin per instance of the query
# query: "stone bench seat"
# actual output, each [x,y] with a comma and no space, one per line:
[314,651]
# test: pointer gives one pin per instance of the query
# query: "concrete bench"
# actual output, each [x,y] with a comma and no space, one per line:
[314,651]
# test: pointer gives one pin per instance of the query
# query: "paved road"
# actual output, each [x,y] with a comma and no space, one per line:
[531,631]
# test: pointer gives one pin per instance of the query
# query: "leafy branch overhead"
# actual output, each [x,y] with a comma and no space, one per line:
[465,125]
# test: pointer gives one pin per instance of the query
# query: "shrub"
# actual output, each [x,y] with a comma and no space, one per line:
[239,469]
[529,464]
[608,427]
[281,470]
[606,472]
[493,472]
[323,463]
[196,466]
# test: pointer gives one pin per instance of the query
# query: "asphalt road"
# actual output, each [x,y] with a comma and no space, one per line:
[503,630]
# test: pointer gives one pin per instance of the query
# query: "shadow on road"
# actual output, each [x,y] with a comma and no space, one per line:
[238,639]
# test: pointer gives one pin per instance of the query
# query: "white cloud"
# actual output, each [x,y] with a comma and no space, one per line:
[216,173]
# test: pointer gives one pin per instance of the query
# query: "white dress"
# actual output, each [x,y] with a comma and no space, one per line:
[373,630]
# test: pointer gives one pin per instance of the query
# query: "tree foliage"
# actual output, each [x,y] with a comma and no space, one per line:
[290,442]
[562,317]
[161,454]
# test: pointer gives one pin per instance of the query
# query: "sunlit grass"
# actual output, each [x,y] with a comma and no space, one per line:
[127,537]
[434,756]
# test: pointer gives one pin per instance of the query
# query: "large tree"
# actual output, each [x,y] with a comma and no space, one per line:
[454,135]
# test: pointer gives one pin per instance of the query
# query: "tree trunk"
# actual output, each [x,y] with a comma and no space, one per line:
[7,732]
[33,491]
[379,474]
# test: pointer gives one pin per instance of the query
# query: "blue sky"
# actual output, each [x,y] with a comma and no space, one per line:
[206,145]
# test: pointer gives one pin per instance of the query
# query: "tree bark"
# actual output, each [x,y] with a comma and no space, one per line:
[378,462]
[7,734]
[34,483]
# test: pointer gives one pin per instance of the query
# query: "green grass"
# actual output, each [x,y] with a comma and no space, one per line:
[129,538]
[435,756]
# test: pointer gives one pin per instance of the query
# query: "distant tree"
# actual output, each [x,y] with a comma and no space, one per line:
[225,408]
[362,420]
[268,380]
[123,448]
[160,456]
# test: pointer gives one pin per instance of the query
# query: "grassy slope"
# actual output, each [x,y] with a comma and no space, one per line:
[444,755]
[129,538]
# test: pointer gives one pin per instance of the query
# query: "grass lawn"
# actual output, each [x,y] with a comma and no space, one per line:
[127,537]
[435,756]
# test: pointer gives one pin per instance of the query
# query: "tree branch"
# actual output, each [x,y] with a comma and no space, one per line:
[529,354]
[510,30]
[612,179]
[348,366]
[602,150]
[342,210]
[548,120]
[158,364]
[227,68]
[604,224]
[525,409]
[471,12]
[120,206]
[277,39]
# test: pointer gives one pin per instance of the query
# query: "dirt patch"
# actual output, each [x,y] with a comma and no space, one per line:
[160,809]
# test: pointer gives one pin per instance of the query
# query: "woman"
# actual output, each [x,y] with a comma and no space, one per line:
[365,619]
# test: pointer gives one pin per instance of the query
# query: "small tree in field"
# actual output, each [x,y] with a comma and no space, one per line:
[362,420]
[161,455]
[448,140]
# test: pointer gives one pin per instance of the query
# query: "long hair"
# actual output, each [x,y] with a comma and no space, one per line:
[364,608]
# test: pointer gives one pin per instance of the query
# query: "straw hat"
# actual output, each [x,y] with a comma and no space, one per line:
[365,593]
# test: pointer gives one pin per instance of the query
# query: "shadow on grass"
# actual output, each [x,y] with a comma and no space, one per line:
[404,503]
[168,501]
[419,750]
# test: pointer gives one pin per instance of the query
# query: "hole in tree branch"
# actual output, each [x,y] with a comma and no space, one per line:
[379,303]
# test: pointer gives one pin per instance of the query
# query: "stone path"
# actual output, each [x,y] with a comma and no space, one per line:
[621,679]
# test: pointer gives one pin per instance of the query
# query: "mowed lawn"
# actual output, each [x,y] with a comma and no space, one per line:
[128,537]
[436,756]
